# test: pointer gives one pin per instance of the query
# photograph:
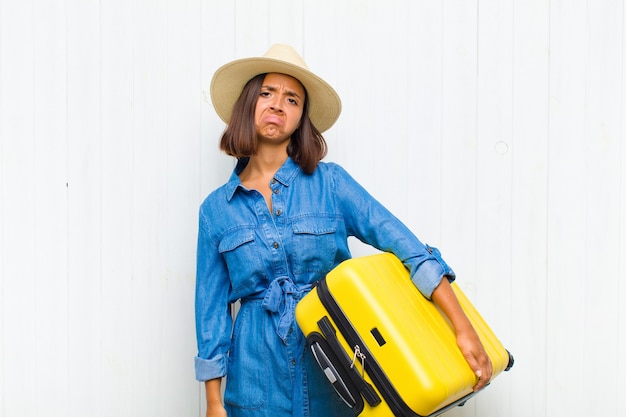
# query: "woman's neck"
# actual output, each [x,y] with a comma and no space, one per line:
[263,165]
[259,172]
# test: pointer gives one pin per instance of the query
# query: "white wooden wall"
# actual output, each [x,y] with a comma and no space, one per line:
[494,128]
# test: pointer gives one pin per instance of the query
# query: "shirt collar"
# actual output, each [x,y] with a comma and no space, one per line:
[285,175]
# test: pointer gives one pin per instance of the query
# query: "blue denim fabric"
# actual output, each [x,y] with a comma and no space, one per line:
[269,261]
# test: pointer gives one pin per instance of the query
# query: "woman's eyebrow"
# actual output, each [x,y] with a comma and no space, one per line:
[273,89]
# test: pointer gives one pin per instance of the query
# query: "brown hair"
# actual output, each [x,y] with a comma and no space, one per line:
[307,145]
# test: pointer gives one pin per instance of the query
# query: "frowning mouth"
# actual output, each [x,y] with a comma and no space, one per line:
[273,119]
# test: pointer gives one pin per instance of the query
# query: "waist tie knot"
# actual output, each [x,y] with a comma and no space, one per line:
[280,299]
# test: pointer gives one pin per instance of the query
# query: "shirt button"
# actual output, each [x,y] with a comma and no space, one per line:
[275,245]
[279,212]
[276,191]
[273,181]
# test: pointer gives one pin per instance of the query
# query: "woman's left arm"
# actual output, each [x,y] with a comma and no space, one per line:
[372,223]
[466,337]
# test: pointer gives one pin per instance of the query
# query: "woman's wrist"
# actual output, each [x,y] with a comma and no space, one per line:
[214,393]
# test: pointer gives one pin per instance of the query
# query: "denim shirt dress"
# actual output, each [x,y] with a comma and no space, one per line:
[269,261]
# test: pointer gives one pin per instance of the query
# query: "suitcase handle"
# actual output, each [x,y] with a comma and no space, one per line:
[337,376]
[333,376]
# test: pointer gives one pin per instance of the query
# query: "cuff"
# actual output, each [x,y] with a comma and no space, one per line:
[430,273]
[207,369]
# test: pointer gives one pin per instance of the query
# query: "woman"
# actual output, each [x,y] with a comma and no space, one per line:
[276,227]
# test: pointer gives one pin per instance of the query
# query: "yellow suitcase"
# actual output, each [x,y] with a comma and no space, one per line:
[386,349]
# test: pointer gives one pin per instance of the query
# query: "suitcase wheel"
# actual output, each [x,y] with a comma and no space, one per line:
[511,361]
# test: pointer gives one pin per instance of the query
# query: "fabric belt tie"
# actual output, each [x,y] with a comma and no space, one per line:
[280,299]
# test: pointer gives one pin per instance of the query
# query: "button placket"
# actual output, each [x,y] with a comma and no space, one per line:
[275,237]
[276,203]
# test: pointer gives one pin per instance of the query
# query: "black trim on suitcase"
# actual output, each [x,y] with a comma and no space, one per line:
[395,402]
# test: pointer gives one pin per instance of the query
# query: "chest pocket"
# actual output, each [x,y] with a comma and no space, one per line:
[240,252]
[314,244]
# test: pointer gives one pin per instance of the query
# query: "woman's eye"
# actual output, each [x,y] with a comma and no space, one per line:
[265,93]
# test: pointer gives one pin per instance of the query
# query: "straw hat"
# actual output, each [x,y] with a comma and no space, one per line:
[229,80]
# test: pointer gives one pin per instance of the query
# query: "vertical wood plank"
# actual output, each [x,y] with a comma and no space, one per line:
[2,192]
[2,210]
[149,263]
[620,368]
[84,207]
[50,256]
[602,188]
[566,206]
[117,201]
[19,204]
[529,208]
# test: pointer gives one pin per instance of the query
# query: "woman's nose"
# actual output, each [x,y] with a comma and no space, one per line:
[275,105]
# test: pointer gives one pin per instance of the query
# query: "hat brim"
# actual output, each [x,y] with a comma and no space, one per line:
[229,80]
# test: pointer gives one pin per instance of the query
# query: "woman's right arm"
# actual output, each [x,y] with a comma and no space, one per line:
[214,406]
[213,319]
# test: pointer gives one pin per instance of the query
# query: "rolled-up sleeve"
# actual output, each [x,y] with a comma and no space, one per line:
[428,274]
[212,312]
[207,369]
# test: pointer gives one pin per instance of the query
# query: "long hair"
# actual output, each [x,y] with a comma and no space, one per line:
[307,145]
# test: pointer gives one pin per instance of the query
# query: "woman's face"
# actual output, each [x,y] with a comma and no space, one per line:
[279,108]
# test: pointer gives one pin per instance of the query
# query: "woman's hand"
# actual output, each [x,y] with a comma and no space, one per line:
[475,355]
[466,337]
